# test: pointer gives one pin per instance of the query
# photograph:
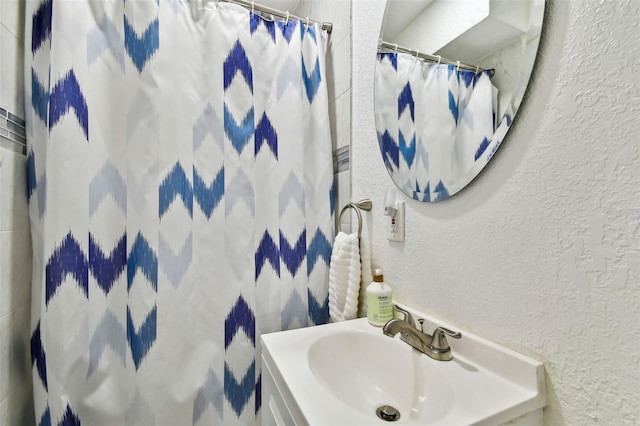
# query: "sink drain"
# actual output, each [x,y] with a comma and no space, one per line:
[388,413]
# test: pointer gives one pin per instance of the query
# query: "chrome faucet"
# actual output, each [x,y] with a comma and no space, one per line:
[434,346]
[407,315]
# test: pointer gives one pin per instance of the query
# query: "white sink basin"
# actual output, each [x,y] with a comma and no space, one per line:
[338,374]
[405,379]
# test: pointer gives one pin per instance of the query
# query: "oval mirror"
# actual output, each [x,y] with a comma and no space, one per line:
[449,79]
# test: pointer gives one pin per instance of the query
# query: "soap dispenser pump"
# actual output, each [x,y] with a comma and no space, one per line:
[379,300]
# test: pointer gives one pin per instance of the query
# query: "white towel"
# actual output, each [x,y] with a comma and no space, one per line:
[366,274]
[344,277]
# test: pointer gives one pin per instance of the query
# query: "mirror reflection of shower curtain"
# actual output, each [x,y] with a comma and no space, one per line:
[433,122]
[180,187]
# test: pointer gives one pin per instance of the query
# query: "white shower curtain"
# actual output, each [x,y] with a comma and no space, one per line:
[435,124]
[180,187]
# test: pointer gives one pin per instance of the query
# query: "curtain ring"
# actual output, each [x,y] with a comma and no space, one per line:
[287,21]
[395,47]
[307,22]
[477,68]
[253,6]
[457,66]
[417,53]
[439,59]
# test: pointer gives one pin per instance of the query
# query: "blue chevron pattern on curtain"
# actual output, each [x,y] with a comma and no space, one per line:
[180,188]
[435,124]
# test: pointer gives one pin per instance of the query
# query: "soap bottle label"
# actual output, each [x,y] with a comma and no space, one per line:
[386,307]
[379,308]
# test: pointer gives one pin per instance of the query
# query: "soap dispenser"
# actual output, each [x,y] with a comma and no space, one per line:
[379,300]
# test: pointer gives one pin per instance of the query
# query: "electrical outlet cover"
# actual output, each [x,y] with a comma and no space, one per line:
[395,225]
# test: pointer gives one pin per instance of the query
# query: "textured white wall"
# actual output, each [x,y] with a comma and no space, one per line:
[542,251]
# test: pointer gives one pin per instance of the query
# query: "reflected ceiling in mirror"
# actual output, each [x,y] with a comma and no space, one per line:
[449,79]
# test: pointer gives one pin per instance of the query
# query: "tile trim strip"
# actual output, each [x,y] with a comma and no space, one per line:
[13,134]
[341,159]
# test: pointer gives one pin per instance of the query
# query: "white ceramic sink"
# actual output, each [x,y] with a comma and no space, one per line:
[343,361]
[338,374]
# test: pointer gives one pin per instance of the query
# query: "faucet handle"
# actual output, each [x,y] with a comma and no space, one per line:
[407,315]
[439,340]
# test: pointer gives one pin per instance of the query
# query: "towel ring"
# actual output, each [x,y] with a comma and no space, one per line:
[364,204]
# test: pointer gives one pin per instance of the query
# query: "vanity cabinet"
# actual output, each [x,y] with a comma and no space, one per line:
[278,406]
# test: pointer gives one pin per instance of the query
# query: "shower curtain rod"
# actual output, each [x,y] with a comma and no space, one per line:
[328,26]
[432,58]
